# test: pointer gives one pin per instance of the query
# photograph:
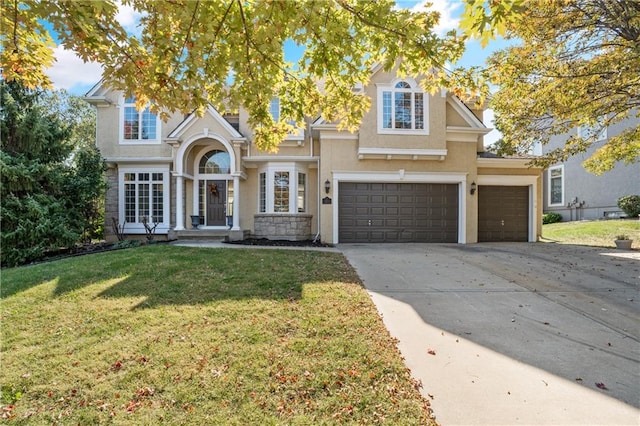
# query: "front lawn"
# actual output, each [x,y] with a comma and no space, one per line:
[175,335]
[599,233]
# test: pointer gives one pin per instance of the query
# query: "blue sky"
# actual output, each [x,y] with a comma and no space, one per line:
[70,73]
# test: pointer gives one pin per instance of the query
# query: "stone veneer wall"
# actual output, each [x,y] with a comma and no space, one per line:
[111,202]
[282,226]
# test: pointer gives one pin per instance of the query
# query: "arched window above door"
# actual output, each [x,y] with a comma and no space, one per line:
[215,162]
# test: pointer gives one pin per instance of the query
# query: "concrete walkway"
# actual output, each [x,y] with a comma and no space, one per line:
[513,333]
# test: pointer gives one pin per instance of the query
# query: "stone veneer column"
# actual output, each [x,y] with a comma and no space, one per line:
[111,207]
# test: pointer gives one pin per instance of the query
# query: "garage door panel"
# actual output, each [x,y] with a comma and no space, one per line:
[392,211]
[406,213]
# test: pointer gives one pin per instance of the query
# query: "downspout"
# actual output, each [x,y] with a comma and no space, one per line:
[319,203]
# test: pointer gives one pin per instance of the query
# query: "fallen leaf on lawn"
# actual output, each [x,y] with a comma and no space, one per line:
[601,386]
[431,352]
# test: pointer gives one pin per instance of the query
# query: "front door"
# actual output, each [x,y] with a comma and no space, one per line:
[216,193]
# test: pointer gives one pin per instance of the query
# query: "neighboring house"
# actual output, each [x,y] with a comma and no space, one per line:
[576,194]
[413,172]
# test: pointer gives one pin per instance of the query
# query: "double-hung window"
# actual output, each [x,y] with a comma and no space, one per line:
[282,189]
[556,186]
[138,126]
[402,108]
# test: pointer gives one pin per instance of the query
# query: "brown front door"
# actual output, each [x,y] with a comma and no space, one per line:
[503,213]
[216,194]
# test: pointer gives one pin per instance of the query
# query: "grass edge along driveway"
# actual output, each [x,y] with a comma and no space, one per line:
[184,335]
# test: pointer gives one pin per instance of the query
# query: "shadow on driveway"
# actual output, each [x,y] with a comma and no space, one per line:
[569,310]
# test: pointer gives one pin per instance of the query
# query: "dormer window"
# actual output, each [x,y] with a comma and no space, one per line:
[138,126]
[402,108]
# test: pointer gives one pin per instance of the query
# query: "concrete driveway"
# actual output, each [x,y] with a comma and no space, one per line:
[513,333]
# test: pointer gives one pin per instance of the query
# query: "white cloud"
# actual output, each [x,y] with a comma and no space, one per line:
[71,73]
[129,18]
[450,11]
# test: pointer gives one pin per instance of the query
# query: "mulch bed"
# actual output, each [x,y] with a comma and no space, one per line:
[278,243]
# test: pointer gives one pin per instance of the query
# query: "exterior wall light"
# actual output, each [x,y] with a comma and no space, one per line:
[327,186]
[473,187]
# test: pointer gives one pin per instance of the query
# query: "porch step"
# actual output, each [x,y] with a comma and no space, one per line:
[204,234]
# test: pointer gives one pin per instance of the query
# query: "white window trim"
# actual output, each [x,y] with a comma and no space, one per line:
[123,141]
[138,228]
[549,203]
[415,88]
[293,169]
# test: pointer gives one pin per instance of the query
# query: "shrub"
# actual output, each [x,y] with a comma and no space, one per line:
[630,204]
[551,218]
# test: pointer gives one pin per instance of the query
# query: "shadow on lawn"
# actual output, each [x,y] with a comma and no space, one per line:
[171,275]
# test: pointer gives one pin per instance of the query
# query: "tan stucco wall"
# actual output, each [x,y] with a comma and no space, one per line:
[435,109]
[341,156]
[108,133]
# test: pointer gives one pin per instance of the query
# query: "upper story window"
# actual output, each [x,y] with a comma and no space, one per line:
[215,162]
[402,108]
[598,130]
[139,126]
[274,109]
[556,186]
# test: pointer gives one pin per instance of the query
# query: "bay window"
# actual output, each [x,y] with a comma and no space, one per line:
[282,189]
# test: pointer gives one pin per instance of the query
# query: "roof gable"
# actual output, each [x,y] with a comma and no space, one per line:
[193,118]
[463,110]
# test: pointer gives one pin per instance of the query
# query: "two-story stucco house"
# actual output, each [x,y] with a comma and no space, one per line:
[577,194]
[414,172]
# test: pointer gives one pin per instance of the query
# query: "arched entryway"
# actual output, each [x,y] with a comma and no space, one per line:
[207,183]
[215,188]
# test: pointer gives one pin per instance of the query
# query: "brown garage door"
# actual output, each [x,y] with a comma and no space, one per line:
[503,213]
[397,212]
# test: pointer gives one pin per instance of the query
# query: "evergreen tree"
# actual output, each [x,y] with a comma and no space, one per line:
[46,192]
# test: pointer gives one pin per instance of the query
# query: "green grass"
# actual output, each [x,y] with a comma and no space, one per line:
[599,233]
[176,335]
